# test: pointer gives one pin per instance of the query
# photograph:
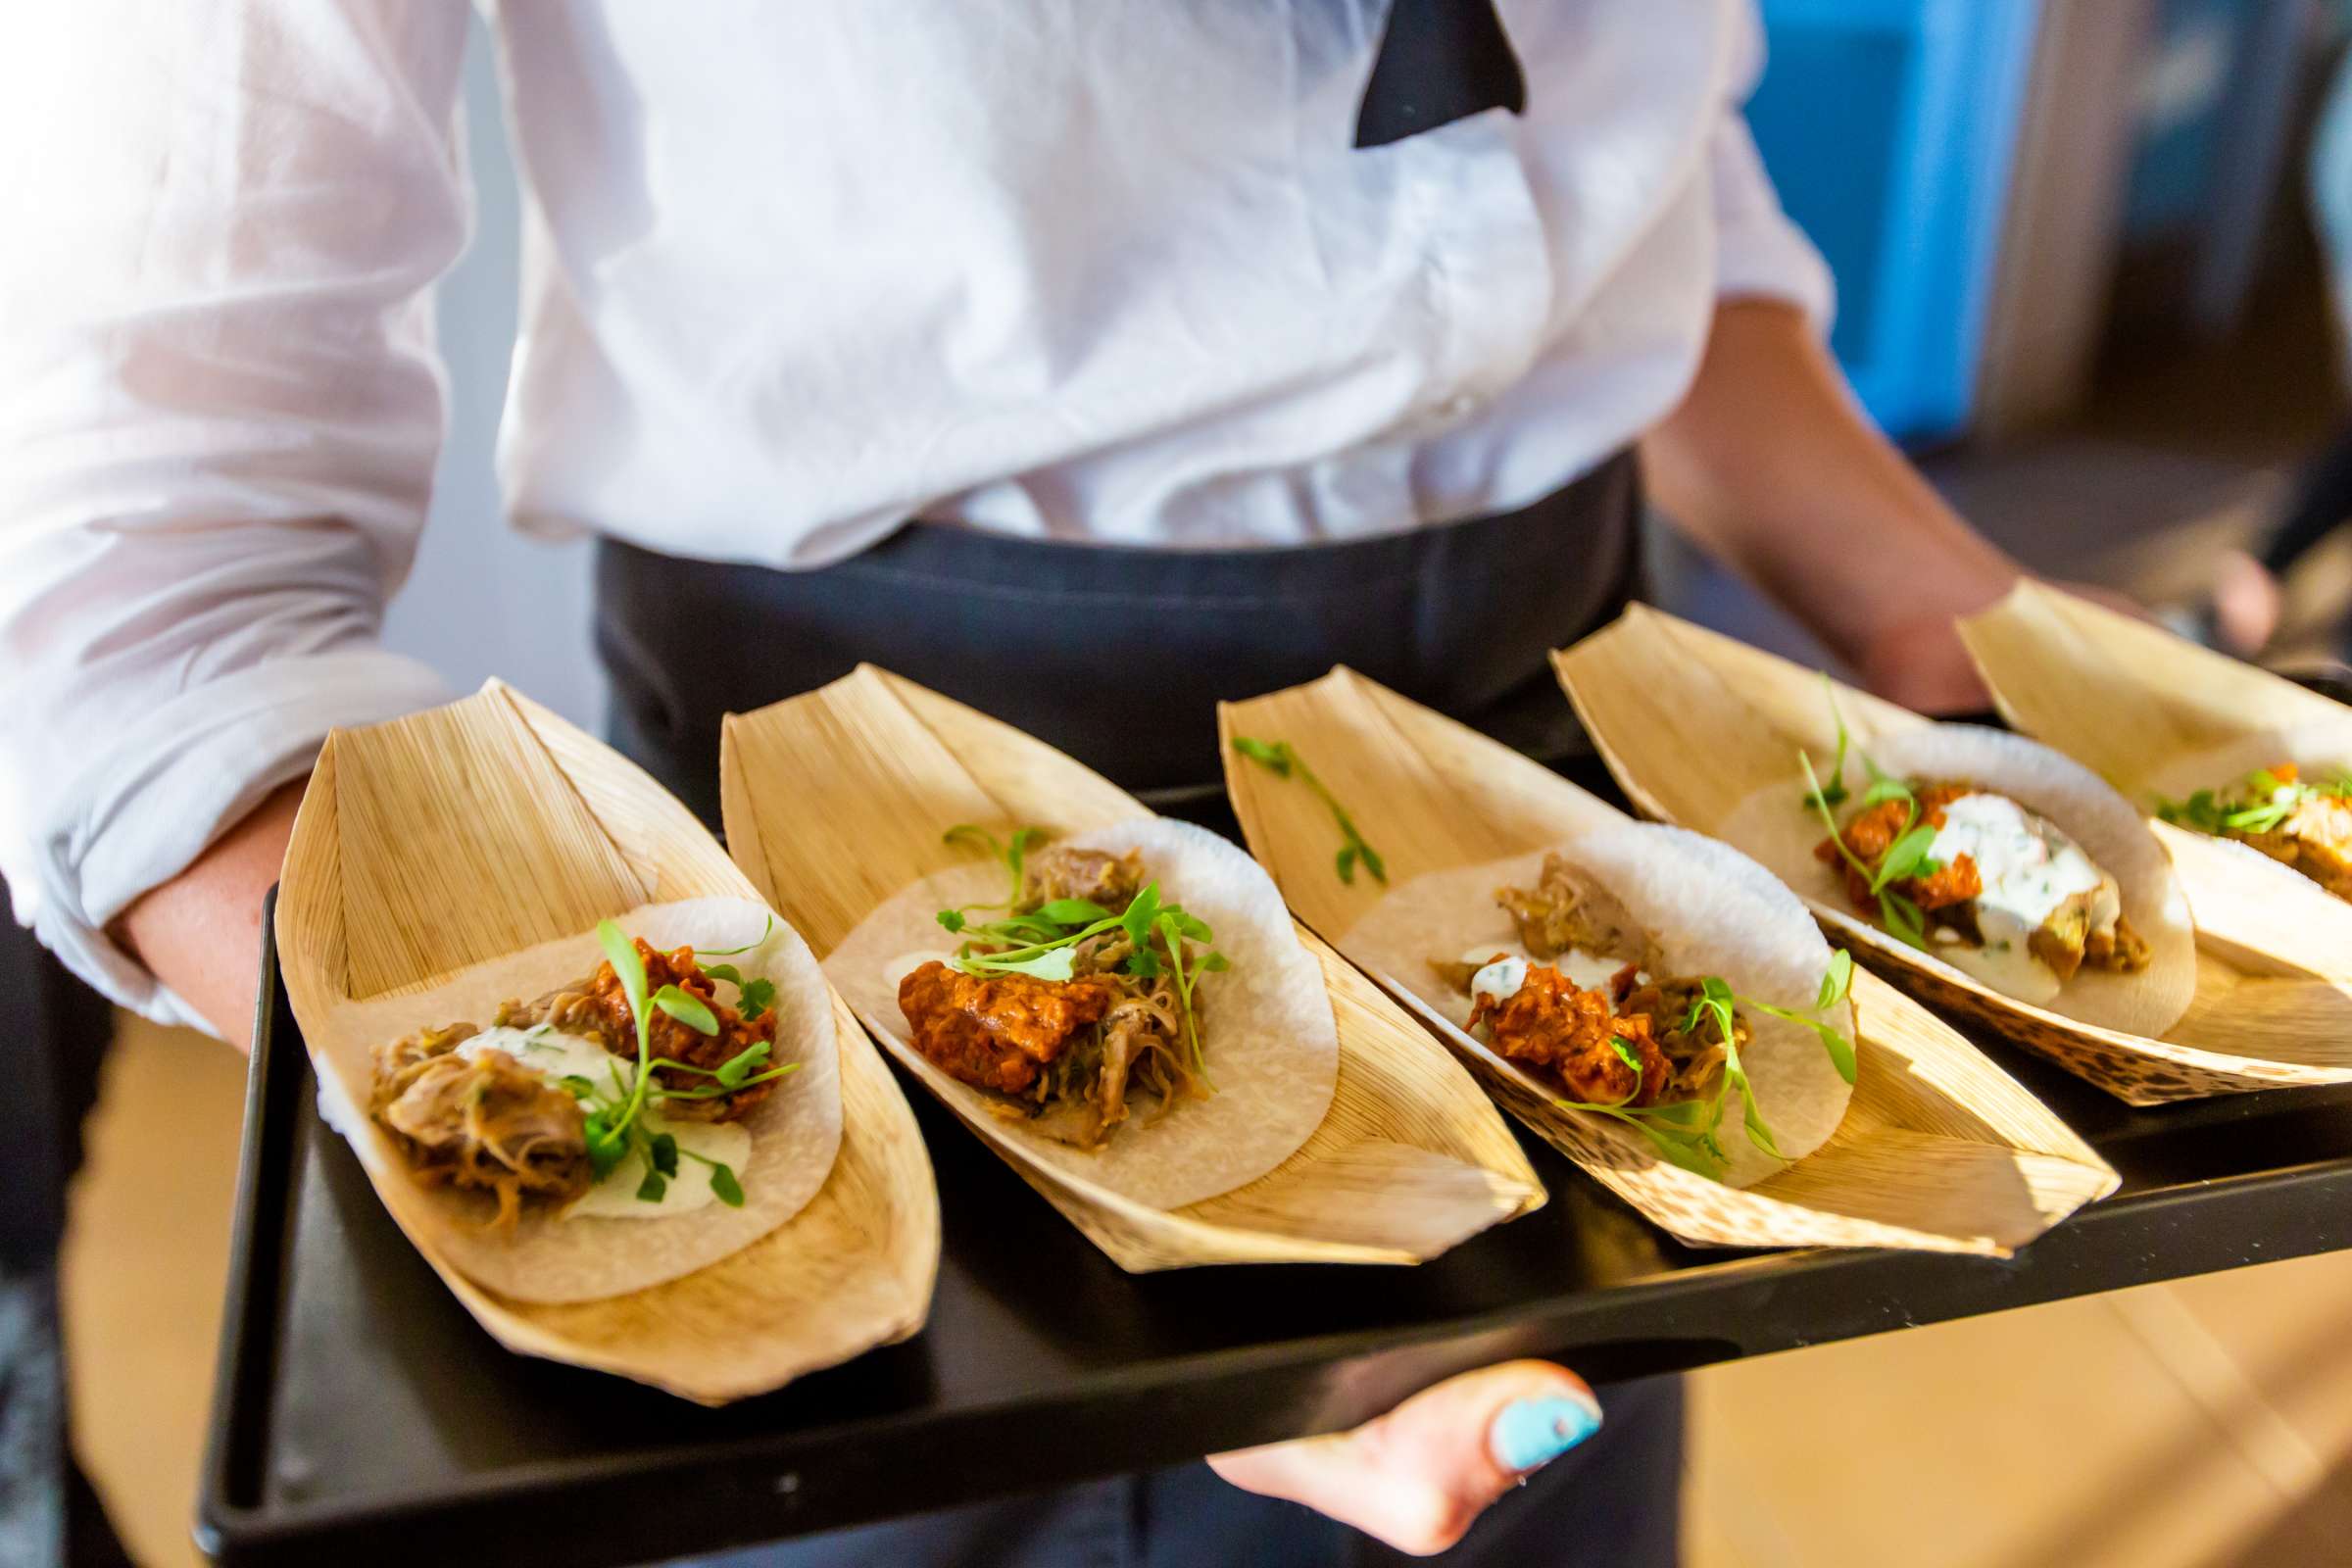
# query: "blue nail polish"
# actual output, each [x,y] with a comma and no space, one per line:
[1534,1432]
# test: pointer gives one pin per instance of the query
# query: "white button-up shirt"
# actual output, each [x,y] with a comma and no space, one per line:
[1098,270]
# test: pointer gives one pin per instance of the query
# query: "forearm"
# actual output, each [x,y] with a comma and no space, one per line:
[1770,468]
[201,932]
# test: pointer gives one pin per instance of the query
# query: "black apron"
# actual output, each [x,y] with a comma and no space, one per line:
[1119,657]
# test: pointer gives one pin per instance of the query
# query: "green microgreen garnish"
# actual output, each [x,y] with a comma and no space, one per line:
[1283,760]
[1834,792]
[615,1126]
[1906,857]
[1686,1133]
[1012,851]
[2255,804]
[765,932]
[687,1009]
[1043,943]
[723,1185]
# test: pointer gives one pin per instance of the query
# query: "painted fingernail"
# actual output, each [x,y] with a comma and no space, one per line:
[1534,1432]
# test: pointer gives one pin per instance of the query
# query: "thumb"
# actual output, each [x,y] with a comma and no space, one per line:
[1418,1477]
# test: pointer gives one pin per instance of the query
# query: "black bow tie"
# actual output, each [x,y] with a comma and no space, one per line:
[1440,61]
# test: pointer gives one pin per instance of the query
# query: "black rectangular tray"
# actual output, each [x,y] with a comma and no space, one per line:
[360,1417]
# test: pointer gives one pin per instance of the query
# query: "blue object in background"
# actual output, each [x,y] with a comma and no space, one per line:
[1889,126]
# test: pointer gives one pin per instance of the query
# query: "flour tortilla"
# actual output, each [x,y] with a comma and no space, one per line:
[1774,825]
[795,1130]
[1706,908]
[1271,1043]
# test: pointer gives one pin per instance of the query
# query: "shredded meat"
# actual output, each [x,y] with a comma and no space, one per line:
[485,1121]
[1097,875]
[1873,832]
[1560,1031]
[599,1005]
[1563,911]
[997,1032]
[1695,1056]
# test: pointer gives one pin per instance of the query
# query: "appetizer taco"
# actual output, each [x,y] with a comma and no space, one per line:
[1132,1004]
[2296,815]
[1990,853]
[630,1123]
[1644,974]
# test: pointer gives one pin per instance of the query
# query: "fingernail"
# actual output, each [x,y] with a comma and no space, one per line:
[1534,1432]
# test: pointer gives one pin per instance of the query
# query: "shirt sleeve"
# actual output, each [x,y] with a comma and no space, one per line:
[220,409]
[1760,253]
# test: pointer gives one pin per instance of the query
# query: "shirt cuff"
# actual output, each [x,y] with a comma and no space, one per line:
[147,805]
[1759,252]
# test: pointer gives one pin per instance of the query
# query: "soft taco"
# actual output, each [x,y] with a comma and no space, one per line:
[1131,1006]
[1643,974]
[2298,816]
[1992,854]
[631,1122]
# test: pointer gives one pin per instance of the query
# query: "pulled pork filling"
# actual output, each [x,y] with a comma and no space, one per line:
[483,1122]
[1580,1037]
[1071,1054]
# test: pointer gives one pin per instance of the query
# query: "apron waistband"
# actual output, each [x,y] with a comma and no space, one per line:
[1119,655]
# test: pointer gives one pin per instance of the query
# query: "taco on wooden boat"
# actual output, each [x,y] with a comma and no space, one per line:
[606,1112]
[2302,822]
[1643,974]
[1132,1003]
[1990,853]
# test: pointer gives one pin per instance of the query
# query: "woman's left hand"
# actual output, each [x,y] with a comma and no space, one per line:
[1419,1477]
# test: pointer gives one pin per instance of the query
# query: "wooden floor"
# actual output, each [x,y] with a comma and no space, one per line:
[2203,1424]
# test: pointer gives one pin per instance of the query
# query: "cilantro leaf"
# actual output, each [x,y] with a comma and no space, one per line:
[724,1187]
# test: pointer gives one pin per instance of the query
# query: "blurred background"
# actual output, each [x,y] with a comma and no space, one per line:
[2081,276]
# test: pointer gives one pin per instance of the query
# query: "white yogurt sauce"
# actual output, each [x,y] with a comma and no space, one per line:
[1501,977]
[555,1055]
[2028,868]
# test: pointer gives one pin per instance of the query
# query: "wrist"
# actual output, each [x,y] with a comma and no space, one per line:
[200,933]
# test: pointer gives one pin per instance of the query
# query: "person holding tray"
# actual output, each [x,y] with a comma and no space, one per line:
[1087,362]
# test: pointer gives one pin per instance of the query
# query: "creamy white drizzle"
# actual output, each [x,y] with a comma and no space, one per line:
[1499,980]
[554,1057]
[2028,868]
[1501,977]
